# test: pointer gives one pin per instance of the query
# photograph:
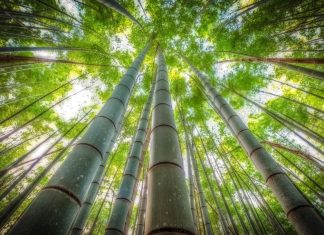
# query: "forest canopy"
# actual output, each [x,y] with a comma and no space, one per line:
[95,96]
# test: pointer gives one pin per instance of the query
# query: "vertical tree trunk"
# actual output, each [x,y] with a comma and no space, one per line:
[80,221]
[56,206]
[121,208]
[201,195]
[116,6]
[298,210]
[145,147]
[93,226]
[142,210]
[92,192]
[191,193]
[168,206]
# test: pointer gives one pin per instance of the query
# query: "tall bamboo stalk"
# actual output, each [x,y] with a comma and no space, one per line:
[137,213]
[276,60]
[93,226]
[191,193]
[145,148]
[81,219]
[142,210]
[56,206]
[285,119]
[114,180]
[201,195]
[22,49]
[298,210]
[168,206]
[116,6]
[118,218]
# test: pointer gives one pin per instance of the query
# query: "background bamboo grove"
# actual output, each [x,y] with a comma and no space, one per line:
[154,117]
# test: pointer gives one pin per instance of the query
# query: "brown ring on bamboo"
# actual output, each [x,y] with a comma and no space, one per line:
[94,147]
[65,191]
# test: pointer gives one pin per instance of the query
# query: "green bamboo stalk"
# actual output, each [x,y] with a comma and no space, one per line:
[278,61]
[118,218]
[191,195]
[140,194]
[285,119]
[22,49]
[136,218]
[318,195]
[168,206]
[293,101]
[309,72]
[201,195]
[34,59]
[81,219]
[145,148]
[218,184]
[298,210]
[93,226]
[56,206]
[200,227]
[241,194]
[290,124]
[113,4]
[142,210]
[298,168]
[301,89]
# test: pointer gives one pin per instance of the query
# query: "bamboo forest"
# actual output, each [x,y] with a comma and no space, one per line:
[161,117]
